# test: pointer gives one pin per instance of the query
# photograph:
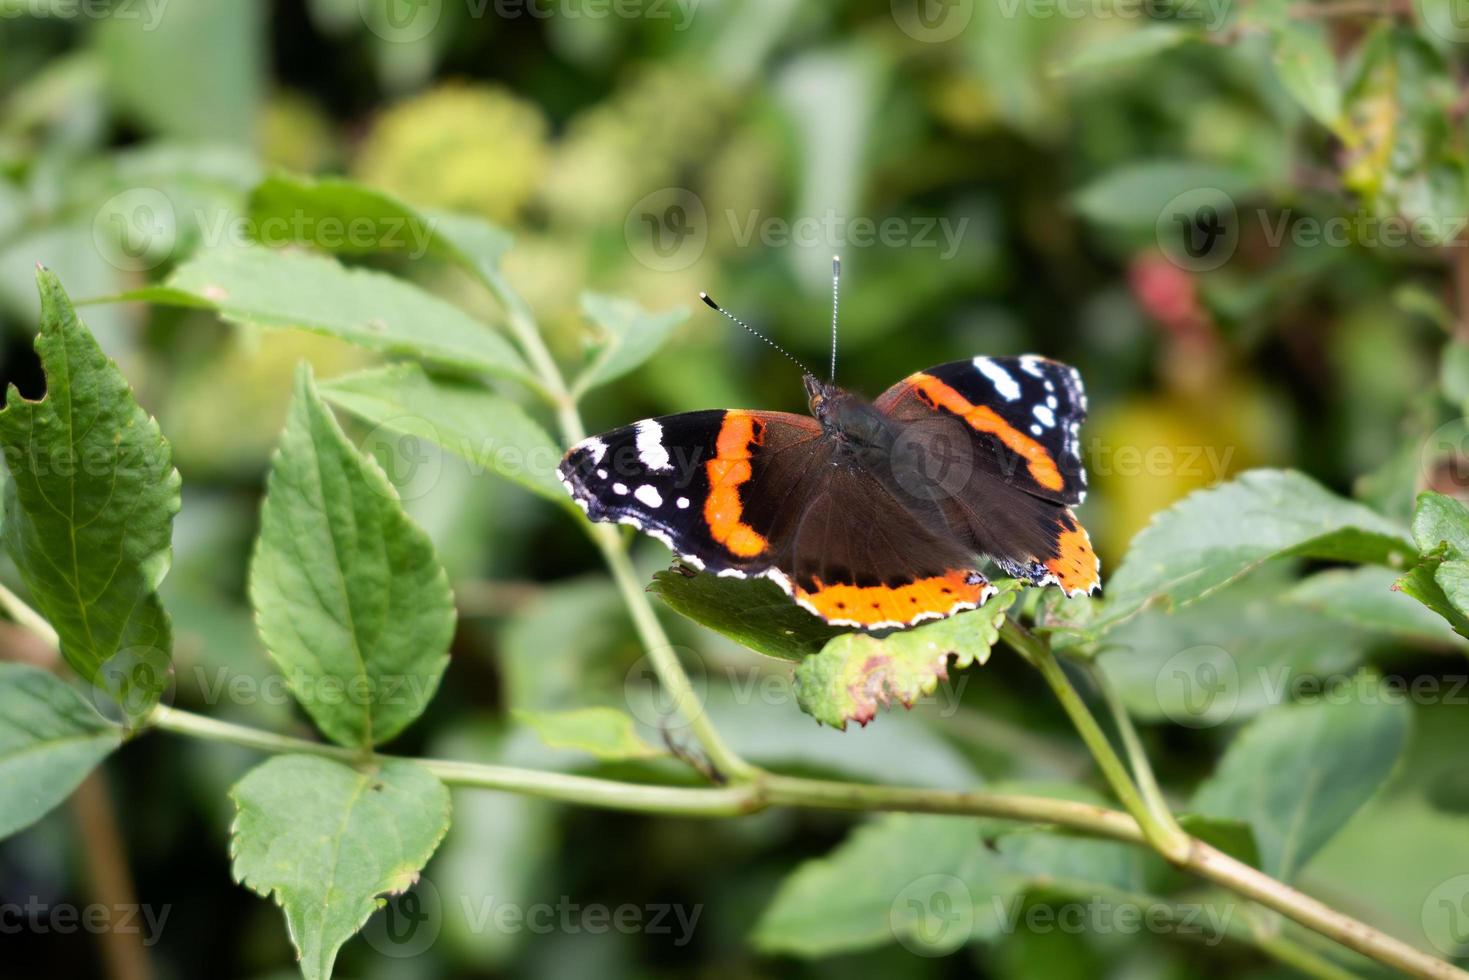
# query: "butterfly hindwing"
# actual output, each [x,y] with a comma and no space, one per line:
[1022,469]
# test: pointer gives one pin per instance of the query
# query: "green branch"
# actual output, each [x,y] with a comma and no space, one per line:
[671,675]
[771,789]
[1161,832]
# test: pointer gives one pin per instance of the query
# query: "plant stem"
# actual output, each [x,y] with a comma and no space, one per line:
[27,617]
[1163,836]
[1142,769]
[770,789]
[665,662]
[671,675]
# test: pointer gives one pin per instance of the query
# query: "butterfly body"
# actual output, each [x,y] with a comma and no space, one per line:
[871,514]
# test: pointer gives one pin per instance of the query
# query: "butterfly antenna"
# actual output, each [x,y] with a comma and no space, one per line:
[836,281]
[723,312]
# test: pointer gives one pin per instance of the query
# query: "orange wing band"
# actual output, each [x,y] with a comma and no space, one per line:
[1075,564]
[1042,467]
[728,471]
[924,598]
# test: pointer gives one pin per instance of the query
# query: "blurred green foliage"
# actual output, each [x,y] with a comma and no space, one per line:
[1041,170]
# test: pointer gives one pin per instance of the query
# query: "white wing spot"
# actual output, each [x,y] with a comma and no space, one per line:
[601,474]
[648,495]
[1045,415]
[1031,365]
[1035,430]
[650,445]
[683,503]
[620,488]
[1007,386]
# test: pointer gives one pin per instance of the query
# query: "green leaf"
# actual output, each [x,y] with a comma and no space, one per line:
[1233,837]
[1136,194]
[629,336]
[1368,598]
[1422,583]
[1226,659]
[755,613]
[337,215]
[301,290]
[1126,48]
[1214,536]
[321,208]
[490,431]
[49,740]
[1297,774]
[327,841]
[606,733]
[1441,521]
[926,881]
[352,602]
[1307,69]
[1453,578]
[931,884]
[89,510]
[856,672]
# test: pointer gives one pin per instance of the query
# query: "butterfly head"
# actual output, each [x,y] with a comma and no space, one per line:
[850,418]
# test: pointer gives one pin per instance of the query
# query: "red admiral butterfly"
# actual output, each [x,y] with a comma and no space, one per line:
[868,514]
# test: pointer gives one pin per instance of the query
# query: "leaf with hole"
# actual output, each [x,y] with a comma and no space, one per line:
[89,510]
